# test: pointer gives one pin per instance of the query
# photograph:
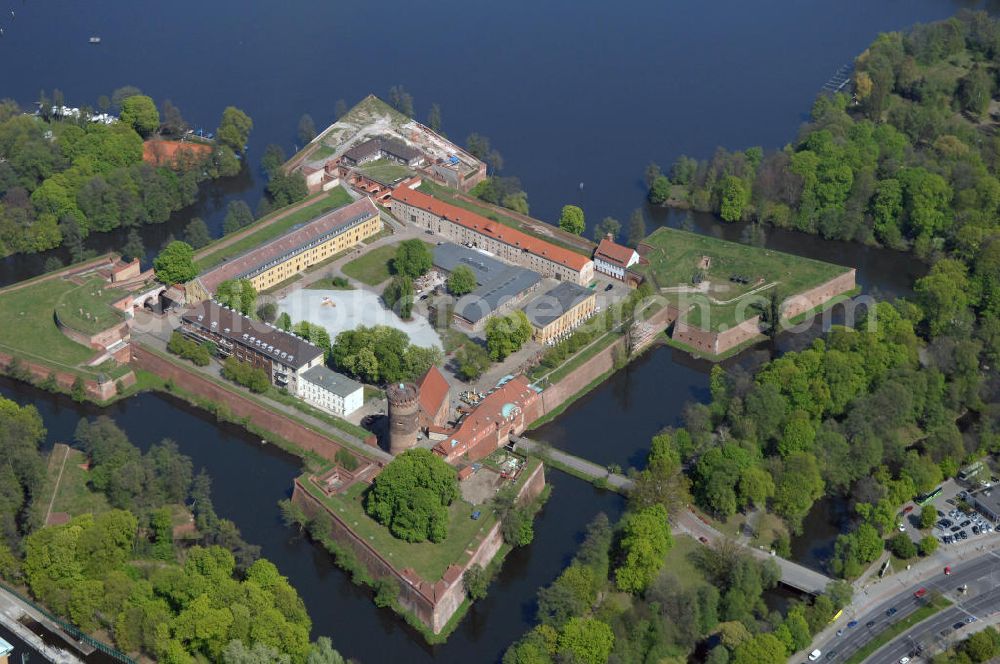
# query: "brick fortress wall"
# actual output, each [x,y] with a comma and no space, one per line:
[238,405]
[433,603]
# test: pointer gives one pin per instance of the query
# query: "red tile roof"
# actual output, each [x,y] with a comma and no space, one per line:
[498,406]
[289,244]
[505,234]
[433,390]
[612,252]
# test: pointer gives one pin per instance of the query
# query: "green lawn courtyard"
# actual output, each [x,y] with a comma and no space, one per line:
[692,269]
[87,308]
[373,267]
[428,559]
[265,230]
[385,171]
[29,328]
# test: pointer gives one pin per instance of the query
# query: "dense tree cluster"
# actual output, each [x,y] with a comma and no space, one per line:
[411,496]
[120,571]
[22,472]
[199,353]
[381,354]
[506,334]
[85,569]
[571,220]
[462,281]
[239,295]
[504,191]
[413,259]
[175,264]
[908,166]
[61,179]
[983,646]
[254,378]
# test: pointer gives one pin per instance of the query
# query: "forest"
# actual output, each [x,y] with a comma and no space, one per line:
[873,413]
[203,595]
[64,176]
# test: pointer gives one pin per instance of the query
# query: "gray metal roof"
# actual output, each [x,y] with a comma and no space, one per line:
[498,281]
[555,302]
[332,381]
[264,338]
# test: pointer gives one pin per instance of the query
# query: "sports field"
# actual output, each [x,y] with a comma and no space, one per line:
[721,280]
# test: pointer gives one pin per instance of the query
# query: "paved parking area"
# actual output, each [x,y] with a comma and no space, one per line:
[957,519]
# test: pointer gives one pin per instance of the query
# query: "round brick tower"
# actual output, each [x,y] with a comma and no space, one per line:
[404,410]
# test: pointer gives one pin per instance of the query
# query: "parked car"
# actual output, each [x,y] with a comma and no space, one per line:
[907,509]
[940,513]
[946,631]
[975,530]
[963,535]
[971,619]
[609,287]
[955,529]
[965,524]
[958,625]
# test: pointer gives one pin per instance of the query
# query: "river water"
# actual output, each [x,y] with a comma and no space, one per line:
[585,92]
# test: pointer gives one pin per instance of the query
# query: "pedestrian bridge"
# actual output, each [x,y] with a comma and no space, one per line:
[793,574]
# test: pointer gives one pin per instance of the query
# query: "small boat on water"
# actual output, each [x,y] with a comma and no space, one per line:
[95,40]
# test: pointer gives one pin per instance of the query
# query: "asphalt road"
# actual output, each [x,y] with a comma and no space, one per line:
[981,574]
[929,632]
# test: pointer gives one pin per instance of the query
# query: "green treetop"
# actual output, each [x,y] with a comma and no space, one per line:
[175,264]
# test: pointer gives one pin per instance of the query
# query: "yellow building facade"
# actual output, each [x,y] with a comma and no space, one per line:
[288,268]
[557,312]
[282,258]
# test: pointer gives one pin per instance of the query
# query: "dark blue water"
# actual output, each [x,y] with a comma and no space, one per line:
[584,91]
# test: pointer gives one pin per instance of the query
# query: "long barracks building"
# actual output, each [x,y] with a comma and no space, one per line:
[468,228]
[314,241]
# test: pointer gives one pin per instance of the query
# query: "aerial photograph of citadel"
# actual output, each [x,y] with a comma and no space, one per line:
[662,334]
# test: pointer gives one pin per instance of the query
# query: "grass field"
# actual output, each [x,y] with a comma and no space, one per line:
[73,496]
[266,230]
[385,171]
[372,268]
[29,328]
[93,297]
[428,559]
[680,562]
[675,260]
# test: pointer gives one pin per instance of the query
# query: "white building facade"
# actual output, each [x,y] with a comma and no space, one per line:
[331,391]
